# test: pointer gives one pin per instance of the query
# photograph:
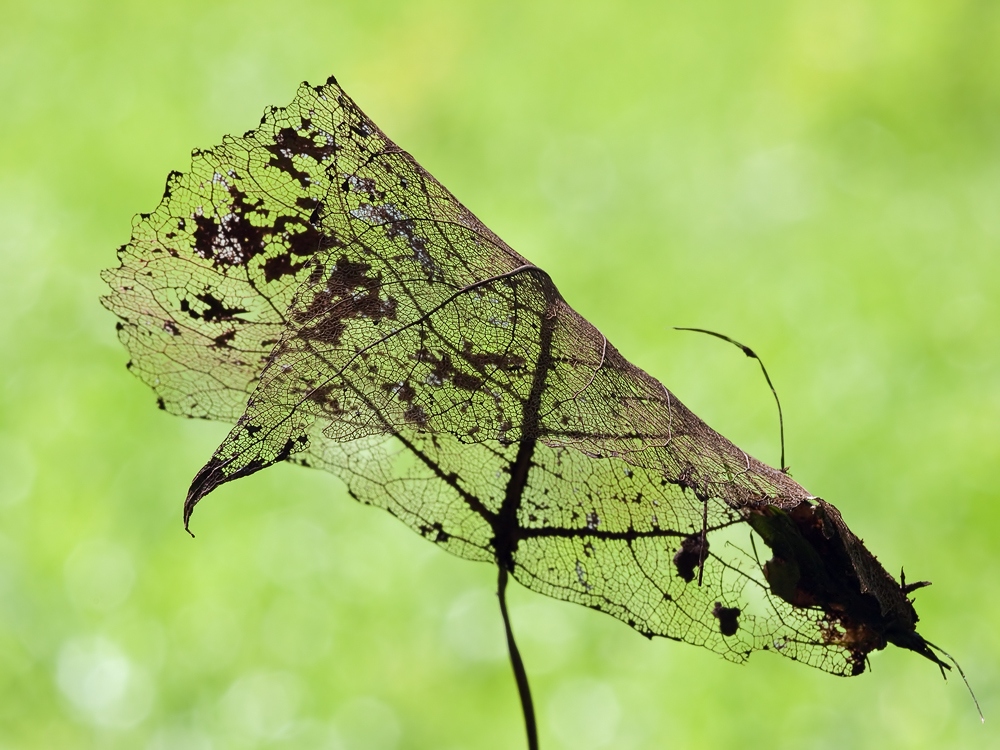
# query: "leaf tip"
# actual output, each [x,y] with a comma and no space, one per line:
[207,479]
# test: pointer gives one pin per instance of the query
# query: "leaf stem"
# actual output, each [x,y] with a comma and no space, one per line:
[753,355]
[527,707]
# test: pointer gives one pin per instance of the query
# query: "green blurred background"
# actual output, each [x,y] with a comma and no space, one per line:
[820,180]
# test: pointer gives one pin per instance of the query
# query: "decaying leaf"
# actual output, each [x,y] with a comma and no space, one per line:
[312,284]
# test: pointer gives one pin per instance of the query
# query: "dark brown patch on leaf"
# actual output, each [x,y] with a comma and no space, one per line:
[213,310]
[223,339]
[280,265]
[727,617]
[349,293]
[818,563]
[416,415]
[289,143]
[232,238]
[485,360]
[689,556]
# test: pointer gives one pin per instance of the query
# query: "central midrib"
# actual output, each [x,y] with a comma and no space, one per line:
[506,530]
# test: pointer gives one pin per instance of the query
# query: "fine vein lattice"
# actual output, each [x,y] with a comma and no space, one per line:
[311,284]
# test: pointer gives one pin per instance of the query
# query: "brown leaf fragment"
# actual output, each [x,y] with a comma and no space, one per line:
[690,556]
[728,618]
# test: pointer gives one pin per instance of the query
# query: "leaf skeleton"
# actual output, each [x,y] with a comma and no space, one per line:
[311,284]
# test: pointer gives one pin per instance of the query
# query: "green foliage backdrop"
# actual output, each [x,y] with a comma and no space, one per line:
[819,180]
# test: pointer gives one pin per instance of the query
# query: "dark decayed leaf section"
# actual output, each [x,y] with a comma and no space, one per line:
[312,284]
